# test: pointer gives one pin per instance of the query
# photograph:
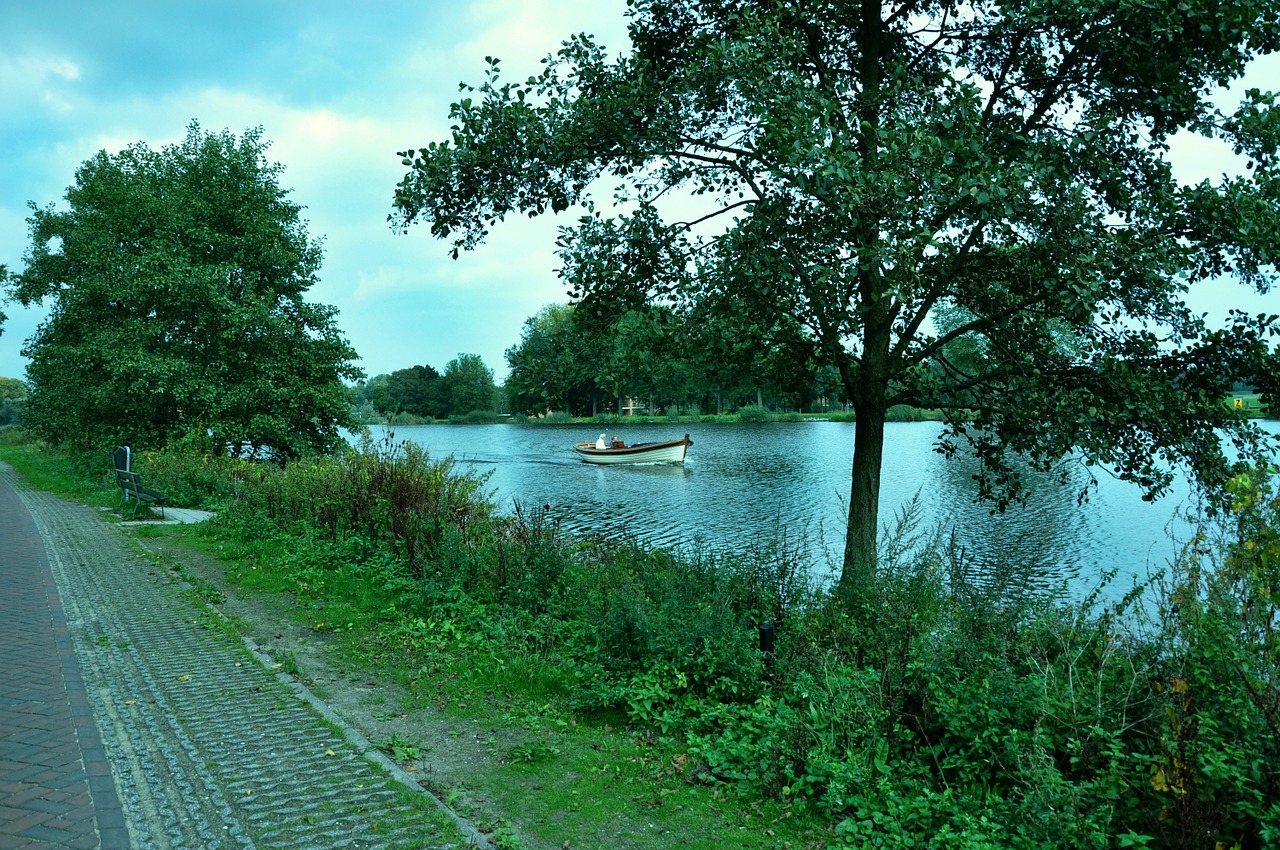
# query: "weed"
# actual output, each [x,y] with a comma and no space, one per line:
[402,750]
[530,753]
[288,663]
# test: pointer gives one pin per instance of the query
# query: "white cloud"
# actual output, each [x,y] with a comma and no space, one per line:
[521,34]
[33,84]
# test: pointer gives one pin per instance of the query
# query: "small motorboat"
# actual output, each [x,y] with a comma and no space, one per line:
[667,451]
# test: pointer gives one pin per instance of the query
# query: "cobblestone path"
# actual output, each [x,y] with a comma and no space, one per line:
[206,747]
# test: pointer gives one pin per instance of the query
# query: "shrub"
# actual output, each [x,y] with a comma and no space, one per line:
[755,413]
[190,472]
[403,418]
[475,417]
[389,494]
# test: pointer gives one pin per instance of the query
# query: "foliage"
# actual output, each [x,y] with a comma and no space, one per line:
[939,710]
[418,390]
[419,394]
[386,494]
[13,392]
[12,389]
[175,280]
[1218,681]
[755,413]
[468,385]
[550,365]
[572,361]
[192,474]
[940,706]
[866,170]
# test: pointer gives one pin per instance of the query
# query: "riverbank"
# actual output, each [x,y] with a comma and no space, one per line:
[751,413]
[1248,403]
[516,763]
[605,687]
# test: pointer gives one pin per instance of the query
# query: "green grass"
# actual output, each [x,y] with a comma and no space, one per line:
[1251,404]
[547,776]
[83,477]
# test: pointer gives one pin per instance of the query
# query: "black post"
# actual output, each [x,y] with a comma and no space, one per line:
[766,647]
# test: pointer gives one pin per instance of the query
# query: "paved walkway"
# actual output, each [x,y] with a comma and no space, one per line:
[130,717]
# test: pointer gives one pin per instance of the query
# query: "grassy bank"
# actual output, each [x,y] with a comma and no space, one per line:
[750,413]
[1251,404]
[619,696]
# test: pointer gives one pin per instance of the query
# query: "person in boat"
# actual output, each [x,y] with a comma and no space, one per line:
[617,444]
[600,443]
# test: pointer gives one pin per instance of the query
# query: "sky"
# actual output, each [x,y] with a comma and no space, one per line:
[338,88]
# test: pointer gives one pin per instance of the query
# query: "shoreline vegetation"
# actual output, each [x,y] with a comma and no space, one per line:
[1249,403]
[623,696]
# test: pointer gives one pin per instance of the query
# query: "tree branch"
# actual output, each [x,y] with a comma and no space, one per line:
[687,225]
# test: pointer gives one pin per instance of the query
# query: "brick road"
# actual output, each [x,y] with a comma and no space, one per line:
[130,718]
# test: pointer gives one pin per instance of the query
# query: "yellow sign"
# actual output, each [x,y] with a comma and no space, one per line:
[1239,404]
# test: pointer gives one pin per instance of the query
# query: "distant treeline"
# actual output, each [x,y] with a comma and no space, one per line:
[466,387]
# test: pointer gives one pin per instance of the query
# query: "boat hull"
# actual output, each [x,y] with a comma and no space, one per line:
[667,451]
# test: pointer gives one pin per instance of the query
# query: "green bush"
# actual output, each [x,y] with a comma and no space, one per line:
[755,413]
[392,495]
[191,474]
[475,417]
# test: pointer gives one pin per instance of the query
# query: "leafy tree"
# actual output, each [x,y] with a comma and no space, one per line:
[468,385]
[376,391]
[645,356]
[12,393]
[551,364]
[418,390]
[12,389]
[176,280]
[862,165]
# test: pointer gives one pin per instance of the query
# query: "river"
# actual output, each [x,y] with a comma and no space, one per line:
[744,484]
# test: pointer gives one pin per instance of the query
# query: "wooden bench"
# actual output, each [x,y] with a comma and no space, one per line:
[130,482]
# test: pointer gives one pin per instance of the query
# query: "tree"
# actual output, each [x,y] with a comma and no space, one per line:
[468,385]
[12,389]
[859,165]
[13,393]
[550,364]
[418,390]
[176,282]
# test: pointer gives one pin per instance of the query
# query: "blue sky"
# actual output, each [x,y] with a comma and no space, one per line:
[338,88]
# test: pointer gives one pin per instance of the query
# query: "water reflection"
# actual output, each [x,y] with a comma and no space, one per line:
[743,484]
[1012,547]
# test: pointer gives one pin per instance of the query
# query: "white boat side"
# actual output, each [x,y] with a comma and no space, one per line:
[667,451]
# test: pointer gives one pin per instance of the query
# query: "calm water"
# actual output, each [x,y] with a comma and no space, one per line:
[741,484]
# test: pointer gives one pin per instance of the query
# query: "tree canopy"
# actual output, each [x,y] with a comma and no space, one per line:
[862,169]
[418,390]
[469,386]
[697,360]
[176,280]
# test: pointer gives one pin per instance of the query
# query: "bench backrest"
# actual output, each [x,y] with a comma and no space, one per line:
[130,482]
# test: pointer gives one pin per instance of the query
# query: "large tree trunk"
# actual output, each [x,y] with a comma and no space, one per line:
[859,569]
[867,385]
